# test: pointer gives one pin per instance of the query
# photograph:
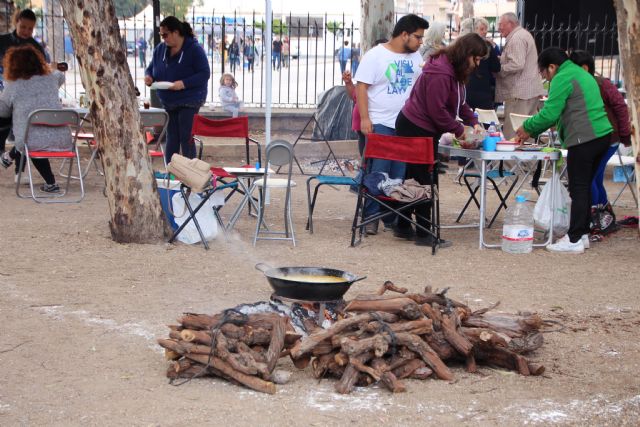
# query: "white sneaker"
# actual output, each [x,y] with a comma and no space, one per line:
[564,245]
[585,241]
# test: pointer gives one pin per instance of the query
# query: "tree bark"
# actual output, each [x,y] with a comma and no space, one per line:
[55,30]
[376,22]
[134,205]
[628,16]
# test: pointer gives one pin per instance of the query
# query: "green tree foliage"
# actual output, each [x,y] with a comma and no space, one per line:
[178,8]
[334,27]
[277,26]
[129,8]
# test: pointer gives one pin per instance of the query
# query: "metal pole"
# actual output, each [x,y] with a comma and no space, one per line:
[268,73]
[153,95]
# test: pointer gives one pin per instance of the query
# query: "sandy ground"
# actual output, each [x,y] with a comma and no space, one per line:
[80,315]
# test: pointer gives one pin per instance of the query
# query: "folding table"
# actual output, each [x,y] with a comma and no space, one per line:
[483,158]
[245,174]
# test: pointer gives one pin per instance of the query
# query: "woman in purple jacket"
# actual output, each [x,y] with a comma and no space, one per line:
[438,97]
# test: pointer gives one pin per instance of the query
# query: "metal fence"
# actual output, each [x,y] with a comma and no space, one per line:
[312,63]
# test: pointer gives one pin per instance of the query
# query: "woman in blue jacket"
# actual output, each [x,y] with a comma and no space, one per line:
[179,59]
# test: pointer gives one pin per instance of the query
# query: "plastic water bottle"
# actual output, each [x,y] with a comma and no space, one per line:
[517,232]
[492,128]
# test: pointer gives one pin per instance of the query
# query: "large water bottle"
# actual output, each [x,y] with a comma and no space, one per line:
[517,232]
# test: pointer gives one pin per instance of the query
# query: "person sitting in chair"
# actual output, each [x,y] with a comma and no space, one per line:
[31,85]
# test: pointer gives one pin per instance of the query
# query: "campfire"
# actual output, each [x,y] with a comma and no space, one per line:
[381,338]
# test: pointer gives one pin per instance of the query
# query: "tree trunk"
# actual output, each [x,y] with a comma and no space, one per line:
[628,15]
[55,30]
[136,214]
[467,9]
[377,19]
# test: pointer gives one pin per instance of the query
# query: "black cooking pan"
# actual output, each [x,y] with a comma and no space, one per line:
[308,283]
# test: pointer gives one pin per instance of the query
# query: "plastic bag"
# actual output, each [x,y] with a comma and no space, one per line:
[562,205]
[206,218]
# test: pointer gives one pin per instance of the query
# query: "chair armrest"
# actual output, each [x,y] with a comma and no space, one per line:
[258,147]
[198,141]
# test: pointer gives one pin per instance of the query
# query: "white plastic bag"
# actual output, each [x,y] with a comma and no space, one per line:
[206,218]
[562,205]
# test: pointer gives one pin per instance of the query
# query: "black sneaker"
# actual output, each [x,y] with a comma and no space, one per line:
[404,233]
[50,188]
[428,241]
[6,160]
[371,229]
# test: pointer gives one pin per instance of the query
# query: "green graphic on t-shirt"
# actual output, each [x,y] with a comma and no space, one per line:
[400,76]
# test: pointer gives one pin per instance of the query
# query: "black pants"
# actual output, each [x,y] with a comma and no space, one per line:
[421,173]
[42,166]
[582,165]
[5,130]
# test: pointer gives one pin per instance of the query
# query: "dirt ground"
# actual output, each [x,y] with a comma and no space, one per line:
[80,315]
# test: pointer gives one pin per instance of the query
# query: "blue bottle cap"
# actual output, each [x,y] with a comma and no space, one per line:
[521,198]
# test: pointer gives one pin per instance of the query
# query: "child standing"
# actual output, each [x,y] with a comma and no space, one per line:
[230,101]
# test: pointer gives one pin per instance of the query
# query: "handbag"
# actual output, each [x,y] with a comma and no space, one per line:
[194,173]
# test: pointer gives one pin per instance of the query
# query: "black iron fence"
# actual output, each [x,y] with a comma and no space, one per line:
[310,53]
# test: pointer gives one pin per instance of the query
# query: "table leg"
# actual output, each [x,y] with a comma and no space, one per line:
[483,191]
[243,203]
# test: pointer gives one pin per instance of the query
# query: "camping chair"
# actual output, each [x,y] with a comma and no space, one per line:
[237,127]
[52,118]
[279,153]
[486,117]
[89,139]
[206,195]
[629,178]
[155,122]
[416,150]
[323,180]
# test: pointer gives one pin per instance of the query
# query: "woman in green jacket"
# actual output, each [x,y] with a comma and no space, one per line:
[576,108]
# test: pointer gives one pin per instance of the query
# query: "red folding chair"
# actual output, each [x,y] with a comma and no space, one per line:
[415,150]
[155,122]
[237,127]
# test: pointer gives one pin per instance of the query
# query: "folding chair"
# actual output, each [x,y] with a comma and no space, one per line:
[206,195]
[492,175]
[279,153]
[322,180]
[59,119]
[89,139]
[416,150]
[488,116]
[152,121]
[629,178]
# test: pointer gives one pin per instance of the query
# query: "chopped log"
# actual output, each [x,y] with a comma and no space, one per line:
[324,364]
[389,286]
[341,358]
[171,355]
[512,325]
[401,305]
[470,364]
[277,342]
[184,347]
[323,347]
[378,343]
[487,336]
[258,356]
[501,357]
[433,314]
[290,338]
[421,373]
[440,299]
[365,369]
[351,374]
[206,322]
[440,345]
[406,370]
[417,327]
[354,335]
[451,334]
[247,333]
[302,362]
[225,370]
[191,372]
[181,365]
[175,335]
[536,369]
[200,337]
[416,344]
[307,344]
[401,357]
[175,327]
[242,362]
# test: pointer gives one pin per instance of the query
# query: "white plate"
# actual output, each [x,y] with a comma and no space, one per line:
[161,85]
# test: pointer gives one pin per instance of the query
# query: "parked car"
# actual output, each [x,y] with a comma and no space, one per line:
[131,48]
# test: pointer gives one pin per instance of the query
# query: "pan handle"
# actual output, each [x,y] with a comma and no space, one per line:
[358,279]
[263,267]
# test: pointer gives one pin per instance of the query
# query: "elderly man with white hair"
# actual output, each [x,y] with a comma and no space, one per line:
[518,84]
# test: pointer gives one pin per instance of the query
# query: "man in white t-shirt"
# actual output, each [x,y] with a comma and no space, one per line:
[385,78]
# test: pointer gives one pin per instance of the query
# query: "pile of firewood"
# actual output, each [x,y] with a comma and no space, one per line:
[391,337]
[243,349]
[382,338]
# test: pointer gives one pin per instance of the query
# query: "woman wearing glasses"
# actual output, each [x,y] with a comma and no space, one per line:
[576,109]
[180,60]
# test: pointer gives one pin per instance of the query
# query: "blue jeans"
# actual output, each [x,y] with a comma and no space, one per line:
[179,132]
[598,193]
[275,59]
[393,168]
